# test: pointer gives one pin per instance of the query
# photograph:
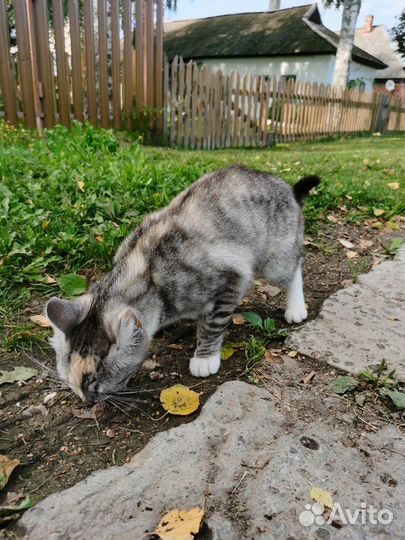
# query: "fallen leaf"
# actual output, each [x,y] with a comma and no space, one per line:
[179,399]
[364,244]
[392,318]
[7,466]
[155,375]
[398,398]
[333,218]
[49,279]
[180,524]
[40,320]
[346,243]
[273,358]
[26,503]
[378,212]
[227,352]
[110,433]
[34,410]
[49,399]
[19,373]
[150,364]
[292,354]
[351,254]
[360,399]
[346,282]
[321,496]
[308,377]
[269,290]
[89,414]
[175,347]
[393,185]
[238,319]
[72,284]
[80,185]
[12,497]
[343,384]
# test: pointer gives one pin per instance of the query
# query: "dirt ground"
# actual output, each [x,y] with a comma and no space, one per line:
[57,449]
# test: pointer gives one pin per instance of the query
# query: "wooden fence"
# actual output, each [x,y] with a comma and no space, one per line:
[80,64]
[208,109]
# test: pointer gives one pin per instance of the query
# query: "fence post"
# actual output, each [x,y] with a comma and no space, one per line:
[6,79]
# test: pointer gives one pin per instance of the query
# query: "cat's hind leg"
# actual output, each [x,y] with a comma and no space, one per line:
[295,311]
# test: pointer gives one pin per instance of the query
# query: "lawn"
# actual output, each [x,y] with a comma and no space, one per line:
[68,199]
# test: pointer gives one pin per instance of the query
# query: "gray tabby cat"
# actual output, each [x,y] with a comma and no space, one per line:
[195,259]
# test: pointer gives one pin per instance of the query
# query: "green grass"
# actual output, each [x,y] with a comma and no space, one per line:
[68,199]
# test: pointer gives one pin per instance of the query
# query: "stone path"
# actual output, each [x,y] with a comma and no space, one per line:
[253,454]
[361,325]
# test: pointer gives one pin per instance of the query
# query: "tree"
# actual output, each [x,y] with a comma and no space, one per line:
[398,33]
[350,13]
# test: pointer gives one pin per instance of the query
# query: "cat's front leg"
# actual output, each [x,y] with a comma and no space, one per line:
[207,356]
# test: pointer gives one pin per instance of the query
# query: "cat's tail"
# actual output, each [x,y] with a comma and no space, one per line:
[304,186]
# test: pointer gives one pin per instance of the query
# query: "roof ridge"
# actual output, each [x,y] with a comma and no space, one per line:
[266,12]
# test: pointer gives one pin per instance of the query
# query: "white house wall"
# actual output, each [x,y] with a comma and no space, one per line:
[316,68]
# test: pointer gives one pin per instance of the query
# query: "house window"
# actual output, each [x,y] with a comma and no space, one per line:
[359,84]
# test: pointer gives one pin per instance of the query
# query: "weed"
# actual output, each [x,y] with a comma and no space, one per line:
[255,351]
[266,326]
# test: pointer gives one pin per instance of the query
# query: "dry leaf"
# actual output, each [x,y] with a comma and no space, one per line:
[49,279]
[333,218]
[292,354]
[321,496]
[80,185]
[175,346]
[110,433]
[34,410]
[179,399]
[150,364]
[40,320]
[393,185]
[273,358]
[364,244]
[7,466]
[227,352]
[180,524]
[308,377]
[238,319]
[89,414]
[351,254]
[346,243]
[270,290]
[378,212]
[100,238]
[346,282]
[392,318]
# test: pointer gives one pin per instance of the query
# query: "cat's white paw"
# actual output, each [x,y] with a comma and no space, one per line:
[202,367]
[296,314]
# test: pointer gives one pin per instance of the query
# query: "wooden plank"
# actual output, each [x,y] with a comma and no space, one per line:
[173,102]
[217,120]
[194,103]
[127,24]
[229,99]
[6,76]
[187,103]
[243,108]
[167,100]
[140,96]
[45,67]
[202,107]
[90,62]
[158,62]
[274,107]
[103,68]
[62,76]
[148,33]
[28,91]
[180,103]
[265,111]
[116,64]
[236,101]
[249,92]
[76,59]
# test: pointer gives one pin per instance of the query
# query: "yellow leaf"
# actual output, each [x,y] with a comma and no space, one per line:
[40,320]
[378,212]
[238,319]
[346,243]
[7,466]
[292,354]
[80,185]
[100,238]
[179,399]
[175,346]
[321,496]
[227,352]
[351,254]
[393,185]
[180,524]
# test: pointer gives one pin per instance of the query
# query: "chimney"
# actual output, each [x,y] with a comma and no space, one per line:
[368,24]
[274,5]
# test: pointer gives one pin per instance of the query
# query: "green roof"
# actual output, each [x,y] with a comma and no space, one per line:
[292,31]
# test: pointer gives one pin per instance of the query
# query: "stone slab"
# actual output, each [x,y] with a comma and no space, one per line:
[361,325]
[249,464]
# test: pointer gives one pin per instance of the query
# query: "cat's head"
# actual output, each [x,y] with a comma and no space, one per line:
[98,348]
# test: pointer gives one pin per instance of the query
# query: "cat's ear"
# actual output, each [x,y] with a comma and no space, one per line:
[66,314]
[129,326]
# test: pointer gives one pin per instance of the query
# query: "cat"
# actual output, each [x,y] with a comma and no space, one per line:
[195,259]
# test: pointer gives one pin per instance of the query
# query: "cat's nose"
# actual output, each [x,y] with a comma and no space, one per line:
[90,387]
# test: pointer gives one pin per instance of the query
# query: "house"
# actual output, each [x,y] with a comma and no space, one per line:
[287,43]
[376,41]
